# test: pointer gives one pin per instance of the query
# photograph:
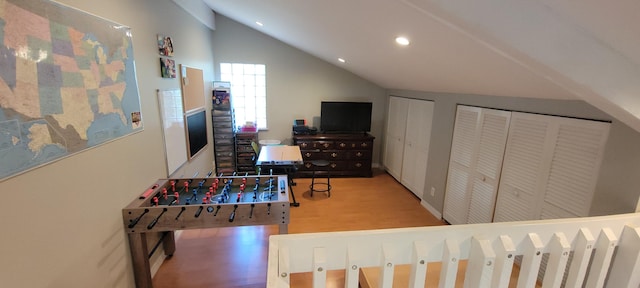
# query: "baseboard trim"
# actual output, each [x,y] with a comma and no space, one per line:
[155,266]
[431,210]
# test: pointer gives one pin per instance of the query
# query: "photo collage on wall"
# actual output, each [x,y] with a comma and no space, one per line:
[167,65]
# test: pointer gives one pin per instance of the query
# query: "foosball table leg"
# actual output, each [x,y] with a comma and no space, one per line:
[140,259]
[283,229]
[169,243]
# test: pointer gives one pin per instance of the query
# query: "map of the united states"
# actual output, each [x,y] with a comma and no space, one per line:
[67,83]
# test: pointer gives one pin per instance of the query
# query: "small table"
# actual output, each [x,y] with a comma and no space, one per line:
[282,157]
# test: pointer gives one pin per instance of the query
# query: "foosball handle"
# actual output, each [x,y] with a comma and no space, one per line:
[181,210]
[155,220]
[233,214]
[198,212]
[135,221]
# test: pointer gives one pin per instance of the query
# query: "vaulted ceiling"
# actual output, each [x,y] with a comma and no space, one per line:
[555,49]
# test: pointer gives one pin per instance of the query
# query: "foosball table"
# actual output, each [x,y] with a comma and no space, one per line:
[196,203]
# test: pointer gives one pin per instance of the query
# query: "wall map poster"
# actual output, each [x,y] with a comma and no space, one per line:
[67,83]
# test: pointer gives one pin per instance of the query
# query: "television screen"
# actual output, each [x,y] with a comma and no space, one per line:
[345,117]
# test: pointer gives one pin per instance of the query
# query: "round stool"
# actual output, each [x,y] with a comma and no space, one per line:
[319,164]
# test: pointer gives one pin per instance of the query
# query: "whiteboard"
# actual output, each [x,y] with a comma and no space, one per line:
[173,128]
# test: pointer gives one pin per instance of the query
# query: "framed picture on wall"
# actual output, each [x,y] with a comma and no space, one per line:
[167,68]
[165,45]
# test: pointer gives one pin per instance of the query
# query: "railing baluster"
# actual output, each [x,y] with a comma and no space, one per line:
[605,246]
[274,263]
[352,271]
[530,261]
[559,249]
[418,265]
[626,264]
[450,258]
[582,254]
[505,253]
[480,265]
[386,267]
[283,267]
[319,267]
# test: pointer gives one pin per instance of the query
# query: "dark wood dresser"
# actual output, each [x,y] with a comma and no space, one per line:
[349,154]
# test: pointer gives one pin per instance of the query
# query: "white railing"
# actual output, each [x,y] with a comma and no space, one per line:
[606,252]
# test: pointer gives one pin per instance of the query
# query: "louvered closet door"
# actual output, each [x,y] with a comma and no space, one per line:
[494,127]
[550,167]
[394,143]
[416,148]
[574,169]
[465,131]
[523,167]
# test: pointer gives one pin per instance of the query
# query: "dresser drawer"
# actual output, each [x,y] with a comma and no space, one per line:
[359,154]
[324,145]
[348,145]
[335,155]
[312,155]
[359,165]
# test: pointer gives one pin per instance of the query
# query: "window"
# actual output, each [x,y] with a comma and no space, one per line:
[248,92]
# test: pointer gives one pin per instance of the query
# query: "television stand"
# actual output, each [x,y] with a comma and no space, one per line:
[349,155]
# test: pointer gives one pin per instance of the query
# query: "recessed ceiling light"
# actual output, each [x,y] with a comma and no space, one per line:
[341,60]
[402,41]
[259,23]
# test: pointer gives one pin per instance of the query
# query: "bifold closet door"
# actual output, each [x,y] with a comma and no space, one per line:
[551,166]
[396,128]
[416,145]
[475,164]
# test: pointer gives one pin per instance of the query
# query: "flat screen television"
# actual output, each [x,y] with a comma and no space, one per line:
[345,117]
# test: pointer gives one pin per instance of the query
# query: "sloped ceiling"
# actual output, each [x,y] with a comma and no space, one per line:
[555,49]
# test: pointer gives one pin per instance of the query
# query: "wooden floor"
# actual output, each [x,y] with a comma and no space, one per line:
[236,257]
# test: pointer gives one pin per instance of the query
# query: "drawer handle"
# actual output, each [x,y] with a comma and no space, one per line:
[358,165]
[333,165]
[325,145]
[307,154]
[364,145]
[303,145]
[343,145]
[308,165]
[359,154]
[334,154]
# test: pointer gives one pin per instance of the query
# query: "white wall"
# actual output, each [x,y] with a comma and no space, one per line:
[62,223]
[296,81]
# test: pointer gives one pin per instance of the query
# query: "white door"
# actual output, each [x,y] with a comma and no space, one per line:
[527,146]
[574,168]
[550,167]
[475,164]
[463,145]
[394,143]
[416,146]
[494,128]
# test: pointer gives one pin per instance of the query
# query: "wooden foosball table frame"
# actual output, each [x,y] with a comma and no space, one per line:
[180,204]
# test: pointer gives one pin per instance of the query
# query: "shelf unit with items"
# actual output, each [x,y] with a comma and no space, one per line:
[223,132]
[245,153]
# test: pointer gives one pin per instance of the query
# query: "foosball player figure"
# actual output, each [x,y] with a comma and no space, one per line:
[155,201]
[164,193]
[173,186]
